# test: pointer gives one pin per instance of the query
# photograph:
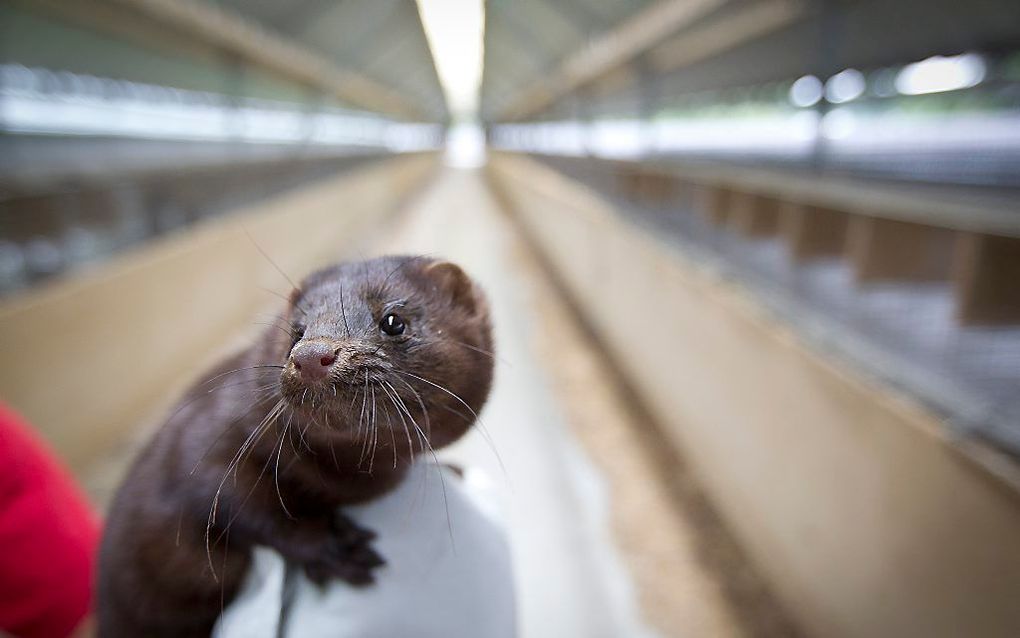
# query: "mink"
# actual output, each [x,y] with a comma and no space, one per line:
[372,364]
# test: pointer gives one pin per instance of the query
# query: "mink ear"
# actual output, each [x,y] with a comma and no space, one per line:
[449,278]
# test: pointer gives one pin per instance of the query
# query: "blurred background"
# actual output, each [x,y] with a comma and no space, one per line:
[754,266]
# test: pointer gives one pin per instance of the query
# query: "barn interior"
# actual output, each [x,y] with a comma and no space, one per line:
[754,270]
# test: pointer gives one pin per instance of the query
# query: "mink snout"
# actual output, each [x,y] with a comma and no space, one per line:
[314,359]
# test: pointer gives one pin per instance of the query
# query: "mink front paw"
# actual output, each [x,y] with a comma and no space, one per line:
[347,555]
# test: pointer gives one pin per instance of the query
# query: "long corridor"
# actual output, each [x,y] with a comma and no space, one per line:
[572,578]
[752,269]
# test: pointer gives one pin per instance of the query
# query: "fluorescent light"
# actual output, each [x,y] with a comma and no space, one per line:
[845,86]
[782,135]
[806,91]
[939,73]
[465,145]
[43,102]
[454,29]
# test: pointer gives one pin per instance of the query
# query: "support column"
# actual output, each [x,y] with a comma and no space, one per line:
[713,203]
[987,279]
[889,250]
[754,216]
[658,188]
[628,179]
[812,232]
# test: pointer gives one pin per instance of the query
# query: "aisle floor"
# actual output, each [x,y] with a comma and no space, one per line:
[570,578]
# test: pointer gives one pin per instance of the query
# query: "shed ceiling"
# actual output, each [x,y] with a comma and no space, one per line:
[722,44]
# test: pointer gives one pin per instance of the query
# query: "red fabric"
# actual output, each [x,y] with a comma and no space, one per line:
[48,538]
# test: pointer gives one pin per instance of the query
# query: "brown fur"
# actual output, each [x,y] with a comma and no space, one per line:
[181,529]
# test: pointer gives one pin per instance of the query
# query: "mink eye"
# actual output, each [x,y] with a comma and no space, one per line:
[392,324]
[296,332]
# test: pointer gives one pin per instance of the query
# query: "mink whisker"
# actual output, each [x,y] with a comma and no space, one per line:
[255,483]
[261,366]
[202,395]
[270,260]
[481,426]
[290,439]
[276,473]
[210,520]
[382,286]
[374,433]
[439,470]
[410,446]
[285,298]
[285,330]
[233,423]
[361,419]
[387,389]
[301,436]
[421,403]
[343,312]
[481,351]
[393,439]
[332,450]
[249,445]
[422,441]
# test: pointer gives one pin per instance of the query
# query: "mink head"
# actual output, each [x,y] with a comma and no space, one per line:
[394,349]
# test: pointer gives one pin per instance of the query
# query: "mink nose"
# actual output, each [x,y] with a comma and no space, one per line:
[313,359]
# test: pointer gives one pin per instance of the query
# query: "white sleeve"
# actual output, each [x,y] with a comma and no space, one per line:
[448,574]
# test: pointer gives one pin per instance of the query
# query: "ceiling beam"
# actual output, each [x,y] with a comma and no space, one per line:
[244,38]
[578,12]
[725,32]
[534,46]
[634,36]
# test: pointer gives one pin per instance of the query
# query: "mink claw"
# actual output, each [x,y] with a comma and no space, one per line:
[345,526]
[355,570]
[348,556]
[318,573]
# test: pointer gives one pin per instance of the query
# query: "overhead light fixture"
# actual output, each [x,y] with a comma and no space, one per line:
[455,30]
[40,101]
[806,91]
[940,73]
[845,86]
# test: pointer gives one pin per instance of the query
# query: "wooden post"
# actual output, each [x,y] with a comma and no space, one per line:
[658,188]
[987,279]
[31,216]
[812,232]
[713,203]
[889,250]
[754,216]
[628,180]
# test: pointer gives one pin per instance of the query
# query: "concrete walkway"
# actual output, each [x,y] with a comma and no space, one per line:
[571,581]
